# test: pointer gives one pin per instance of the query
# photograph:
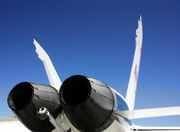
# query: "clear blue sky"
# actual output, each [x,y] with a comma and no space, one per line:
[94,38]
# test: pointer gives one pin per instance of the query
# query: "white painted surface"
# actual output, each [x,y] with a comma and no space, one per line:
[13,126]
[50,70]
[131,92]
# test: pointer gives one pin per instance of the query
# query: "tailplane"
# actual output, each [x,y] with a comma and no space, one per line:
[131,92]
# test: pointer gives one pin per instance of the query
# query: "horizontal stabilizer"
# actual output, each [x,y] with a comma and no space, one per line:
[156,129]
[156,112]
[12,124]
[149,113]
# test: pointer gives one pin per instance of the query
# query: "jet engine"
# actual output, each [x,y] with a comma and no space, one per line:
[87,103]
[26,98]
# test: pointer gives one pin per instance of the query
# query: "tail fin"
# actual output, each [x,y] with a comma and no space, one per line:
[50,70]
[131,92]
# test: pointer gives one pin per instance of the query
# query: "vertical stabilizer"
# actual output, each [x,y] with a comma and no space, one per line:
[50,70]
[131,92]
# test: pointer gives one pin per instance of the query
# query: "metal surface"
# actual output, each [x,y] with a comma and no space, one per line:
[43,114]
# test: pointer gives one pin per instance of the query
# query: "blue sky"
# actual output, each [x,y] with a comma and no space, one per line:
[94,38]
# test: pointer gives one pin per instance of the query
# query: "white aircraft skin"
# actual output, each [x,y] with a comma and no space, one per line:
[124,112]
[11,126]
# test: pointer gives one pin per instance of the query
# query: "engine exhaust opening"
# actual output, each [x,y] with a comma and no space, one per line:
[20,96]
[75,90]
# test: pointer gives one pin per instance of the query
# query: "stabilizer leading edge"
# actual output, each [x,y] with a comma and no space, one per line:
[131,92]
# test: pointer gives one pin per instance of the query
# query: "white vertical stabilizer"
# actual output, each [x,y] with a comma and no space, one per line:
[50,70]
[131,91]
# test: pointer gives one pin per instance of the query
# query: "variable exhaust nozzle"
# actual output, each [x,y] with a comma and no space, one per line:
[25,99]
[87,103]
